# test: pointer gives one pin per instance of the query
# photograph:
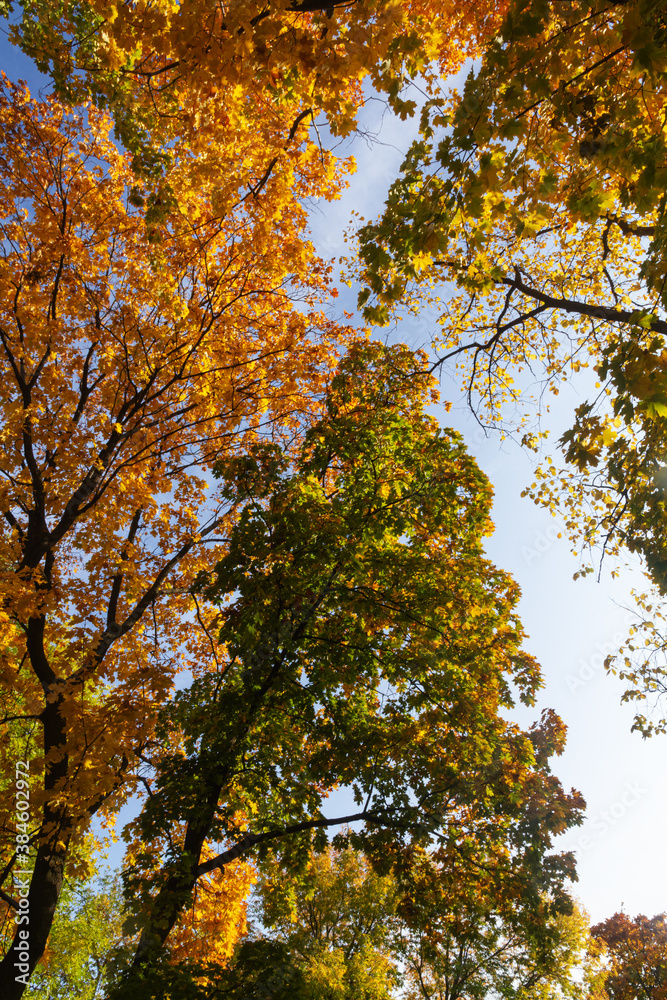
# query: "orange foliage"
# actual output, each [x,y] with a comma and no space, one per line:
[129,367]
[638,952]
[239,85]
[216,920]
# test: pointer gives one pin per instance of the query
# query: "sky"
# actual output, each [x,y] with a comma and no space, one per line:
[572,625]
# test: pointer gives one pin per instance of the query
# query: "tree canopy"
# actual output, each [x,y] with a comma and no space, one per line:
[232,94]
[364,641]
[337,920]
[428,933]
[128,371]
[539,195]
[241,566]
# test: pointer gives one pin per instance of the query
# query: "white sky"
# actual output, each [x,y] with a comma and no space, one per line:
[571,625]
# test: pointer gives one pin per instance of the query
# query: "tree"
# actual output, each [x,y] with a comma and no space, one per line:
[539,193]
[129,369]
[239,85]
[364,641]
[638,952]
[336,919]
[464,938]
[87,945]
[431,933]
[558,130]
[78,961]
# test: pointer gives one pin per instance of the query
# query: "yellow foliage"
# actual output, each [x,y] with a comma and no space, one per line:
[209,930]
[231,91]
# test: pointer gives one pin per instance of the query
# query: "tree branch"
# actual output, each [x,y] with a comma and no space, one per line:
[9,899]
[256,188]
[604,313]
[118,579]
[249,841]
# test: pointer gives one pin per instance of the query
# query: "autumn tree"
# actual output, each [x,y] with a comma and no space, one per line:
[241,85]
[463,938]
[539,193]
[433,932]
[364,641]
[129,368]
[638,952]
[336,920]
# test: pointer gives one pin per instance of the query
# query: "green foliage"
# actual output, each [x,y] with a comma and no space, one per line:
[470,939]
[260,970]
[433,932]
[86,933]
[539,194]
[364,641]
[337,920]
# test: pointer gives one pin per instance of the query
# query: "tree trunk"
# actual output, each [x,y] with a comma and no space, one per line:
[47,878]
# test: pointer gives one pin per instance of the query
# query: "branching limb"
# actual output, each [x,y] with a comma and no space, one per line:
[250,840]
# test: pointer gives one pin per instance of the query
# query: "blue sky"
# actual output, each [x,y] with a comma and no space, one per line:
[571,625]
